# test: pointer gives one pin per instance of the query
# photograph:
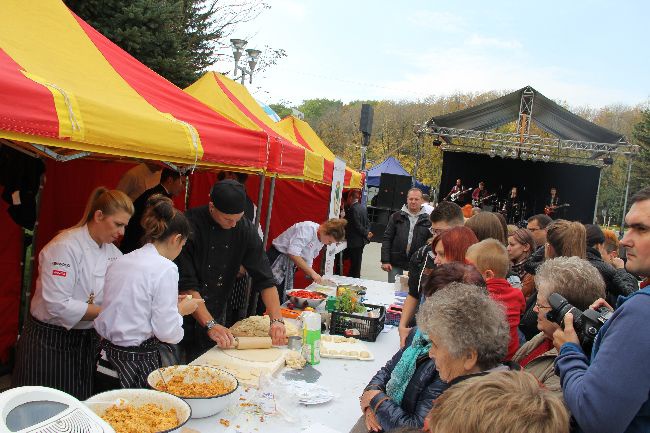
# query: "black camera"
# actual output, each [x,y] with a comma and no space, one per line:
[586,323]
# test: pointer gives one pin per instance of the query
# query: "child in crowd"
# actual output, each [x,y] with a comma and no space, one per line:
[508,401]
[491,259]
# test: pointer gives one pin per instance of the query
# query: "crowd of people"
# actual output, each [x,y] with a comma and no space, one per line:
[537,329]
[486,342]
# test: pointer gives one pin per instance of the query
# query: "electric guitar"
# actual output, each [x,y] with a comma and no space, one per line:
[455,196]
[550,210]
[480,201]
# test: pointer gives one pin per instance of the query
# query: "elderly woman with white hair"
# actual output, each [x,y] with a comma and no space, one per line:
[468,331]
[580,284]
[463,331]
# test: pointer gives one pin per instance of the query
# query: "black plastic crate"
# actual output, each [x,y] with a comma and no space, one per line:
[368,327]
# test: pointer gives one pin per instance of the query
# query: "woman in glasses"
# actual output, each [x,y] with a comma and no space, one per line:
[577,281]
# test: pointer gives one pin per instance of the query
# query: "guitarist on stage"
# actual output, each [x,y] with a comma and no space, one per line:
[479,194]
[457,192]
[552,203]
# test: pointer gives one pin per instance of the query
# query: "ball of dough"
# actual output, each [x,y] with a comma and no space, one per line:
[334,352]
[326,337]
[364,354]
[351,340]
[354,353]
[324,351]
[345,353]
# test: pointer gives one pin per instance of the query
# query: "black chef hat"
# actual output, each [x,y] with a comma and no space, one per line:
[228,196]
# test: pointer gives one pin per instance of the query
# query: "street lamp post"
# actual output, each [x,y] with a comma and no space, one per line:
[237,52]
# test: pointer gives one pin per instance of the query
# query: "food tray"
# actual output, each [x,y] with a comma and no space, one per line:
[327,345]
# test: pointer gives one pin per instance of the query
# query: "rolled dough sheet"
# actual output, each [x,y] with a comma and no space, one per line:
[247,372]
[256,355]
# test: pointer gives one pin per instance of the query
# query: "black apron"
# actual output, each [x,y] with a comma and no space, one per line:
[52,356]
[132,364]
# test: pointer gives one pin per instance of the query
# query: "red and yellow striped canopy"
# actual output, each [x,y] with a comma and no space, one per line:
[233,101]
[66,86]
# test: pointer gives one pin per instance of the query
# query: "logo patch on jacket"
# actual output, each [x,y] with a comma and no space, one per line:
[59,273]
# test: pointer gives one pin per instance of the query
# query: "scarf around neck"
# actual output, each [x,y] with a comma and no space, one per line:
[405,367]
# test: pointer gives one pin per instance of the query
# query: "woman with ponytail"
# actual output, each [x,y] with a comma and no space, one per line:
[58,345]
[298,246]
[141,304]
[566,239]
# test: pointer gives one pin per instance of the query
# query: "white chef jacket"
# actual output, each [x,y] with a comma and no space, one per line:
[140,300]
[301,239]
[71,267]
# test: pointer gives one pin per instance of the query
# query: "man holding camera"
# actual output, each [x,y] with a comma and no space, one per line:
[609,393]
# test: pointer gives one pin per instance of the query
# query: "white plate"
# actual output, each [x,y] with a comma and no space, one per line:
[309,394]
[321,400]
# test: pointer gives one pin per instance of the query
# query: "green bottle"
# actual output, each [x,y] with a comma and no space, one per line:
[311,337]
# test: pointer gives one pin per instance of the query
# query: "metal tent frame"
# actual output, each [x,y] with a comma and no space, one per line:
[526,146]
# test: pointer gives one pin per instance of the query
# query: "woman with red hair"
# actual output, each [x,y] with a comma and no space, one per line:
[451,245]
[448,246]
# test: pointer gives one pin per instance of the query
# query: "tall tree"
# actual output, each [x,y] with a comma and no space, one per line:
[179,39]
[641,165]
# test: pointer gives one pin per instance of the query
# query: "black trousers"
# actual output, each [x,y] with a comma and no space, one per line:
[49,355]
[355,255]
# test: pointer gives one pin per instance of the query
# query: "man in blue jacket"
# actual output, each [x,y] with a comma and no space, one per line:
[610,393]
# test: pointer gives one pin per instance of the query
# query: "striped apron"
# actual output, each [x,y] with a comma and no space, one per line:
[52,356]
[132,364]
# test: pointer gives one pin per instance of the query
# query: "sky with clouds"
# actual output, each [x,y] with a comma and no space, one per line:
[585,52]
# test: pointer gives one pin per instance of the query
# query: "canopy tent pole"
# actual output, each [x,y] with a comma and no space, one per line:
[627,190]
[267,223]
[253,300]
[600,177]
[260,197]
[28,258]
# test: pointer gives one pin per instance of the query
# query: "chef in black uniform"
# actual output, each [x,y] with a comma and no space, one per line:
[220,243]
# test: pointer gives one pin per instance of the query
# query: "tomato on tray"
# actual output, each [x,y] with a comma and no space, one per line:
[306,294]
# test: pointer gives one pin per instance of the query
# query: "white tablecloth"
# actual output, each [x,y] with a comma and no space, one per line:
[345,378]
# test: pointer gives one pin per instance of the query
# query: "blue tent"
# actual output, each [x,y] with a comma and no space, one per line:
[391,166]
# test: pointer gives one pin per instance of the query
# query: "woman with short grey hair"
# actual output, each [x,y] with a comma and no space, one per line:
[580,284]
[468,331]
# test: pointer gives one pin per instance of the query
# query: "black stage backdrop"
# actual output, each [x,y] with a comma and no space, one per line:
[576,184]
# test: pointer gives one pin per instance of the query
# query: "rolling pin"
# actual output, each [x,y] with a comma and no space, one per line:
[242,343]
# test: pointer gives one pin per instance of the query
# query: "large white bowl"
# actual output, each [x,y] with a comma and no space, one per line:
[201,406]
[100,402]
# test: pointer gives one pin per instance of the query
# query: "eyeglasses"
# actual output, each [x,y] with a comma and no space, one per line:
[540,306]
[435,231]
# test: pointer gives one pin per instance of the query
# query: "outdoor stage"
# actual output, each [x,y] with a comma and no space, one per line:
[577,185]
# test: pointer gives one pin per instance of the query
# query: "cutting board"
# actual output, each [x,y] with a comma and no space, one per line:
[247,372]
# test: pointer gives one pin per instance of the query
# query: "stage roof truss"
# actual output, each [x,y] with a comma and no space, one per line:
[527,146]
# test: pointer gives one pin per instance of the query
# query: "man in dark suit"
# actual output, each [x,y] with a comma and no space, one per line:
[171,184]
[356,232]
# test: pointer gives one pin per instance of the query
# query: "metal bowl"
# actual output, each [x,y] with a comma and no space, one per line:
[201,406]
[305,302]
[360,290]
[99,403]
